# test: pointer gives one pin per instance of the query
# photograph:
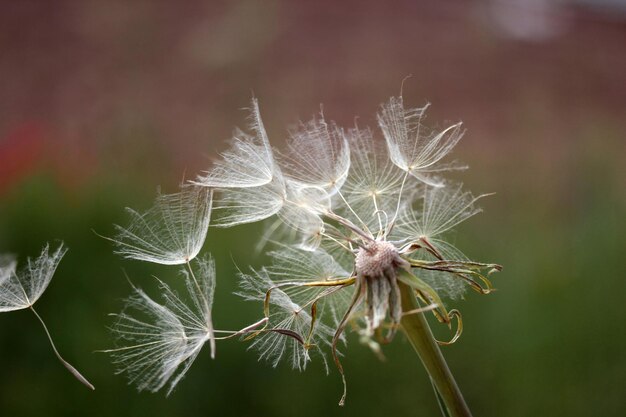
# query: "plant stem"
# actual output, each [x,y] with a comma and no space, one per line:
[421,337]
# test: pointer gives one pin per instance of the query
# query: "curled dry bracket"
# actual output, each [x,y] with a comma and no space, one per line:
[462,269]
[421,288]
[333,284]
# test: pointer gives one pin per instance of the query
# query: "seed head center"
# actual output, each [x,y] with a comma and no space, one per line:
[376,258]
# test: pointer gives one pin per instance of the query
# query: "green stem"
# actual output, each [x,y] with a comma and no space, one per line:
[421,337]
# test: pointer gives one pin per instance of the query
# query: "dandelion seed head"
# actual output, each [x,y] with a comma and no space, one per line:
[371,206]
[354,215]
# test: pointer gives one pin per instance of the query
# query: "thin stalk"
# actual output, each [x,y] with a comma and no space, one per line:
[365,228]
[421,337]
[347,223]
[395,216]
[67,365]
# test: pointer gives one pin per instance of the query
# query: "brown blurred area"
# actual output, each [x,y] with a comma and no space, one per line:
[85,84]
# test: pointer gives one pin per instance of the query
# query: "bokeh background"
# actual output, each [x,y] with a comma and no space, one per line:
[102,101]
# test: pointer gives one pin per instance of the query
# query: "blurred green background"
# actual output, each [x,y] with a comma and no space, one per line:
[102,101]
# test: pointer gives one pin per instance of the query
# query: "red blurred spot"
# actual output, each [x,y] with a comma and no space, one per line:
[21,151]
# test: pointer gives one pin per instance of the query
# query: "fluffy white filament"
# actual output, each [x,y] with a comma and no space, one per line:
[318,155]
[172,232]
[249,161]
[159,342]
[439,210]
[412,146]
[21,289]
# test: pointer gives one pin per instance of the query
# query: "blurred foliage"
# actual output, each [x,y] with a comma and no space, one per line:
[546,342]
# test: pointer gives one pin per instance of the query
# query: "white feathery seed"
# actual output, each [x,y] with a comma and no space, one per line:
[248,163]
[413,147]
[172,232]
[158,343]
[317,155]
[21,289]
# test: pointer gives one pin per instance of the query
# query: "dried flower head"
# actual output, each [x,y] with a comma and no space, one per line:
[362,222]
